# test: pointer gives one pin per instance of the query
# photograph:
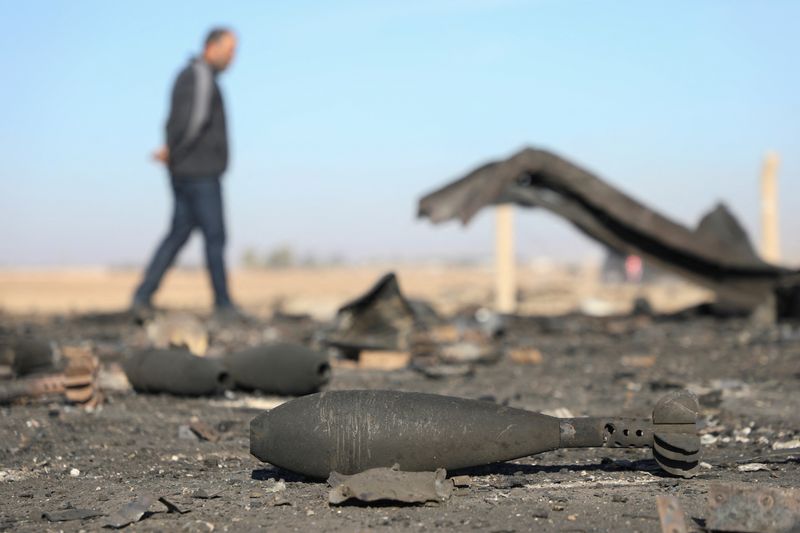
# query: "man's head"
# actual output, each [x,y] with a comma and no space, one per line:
[220,47]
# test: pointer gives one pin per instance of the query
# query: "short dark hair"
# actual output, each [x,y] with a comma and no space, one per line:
[216,34]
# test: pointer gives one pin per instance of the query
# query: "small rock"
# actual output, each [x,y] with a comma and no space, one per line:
[752,467]
[198,526]
[708,439]
[559,412]
[279,501]
[74,472]
[277,486]
[786,445]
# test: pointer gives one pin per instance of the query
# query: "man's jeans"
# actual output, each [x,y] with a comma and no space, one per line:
[198,204]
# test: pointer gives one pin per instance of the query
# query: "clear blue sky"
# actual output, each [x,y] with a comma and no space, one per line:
[343,113]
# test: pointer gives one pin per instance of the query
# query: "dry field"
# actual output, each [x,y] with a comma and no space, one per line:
[543,290]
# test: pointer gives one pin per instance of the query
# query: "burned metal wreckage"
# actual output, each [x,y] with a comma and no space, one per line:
[717,254]
[381,319]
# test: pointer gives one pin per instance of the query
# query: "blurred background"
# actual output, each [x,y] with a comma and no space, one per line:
[341,115]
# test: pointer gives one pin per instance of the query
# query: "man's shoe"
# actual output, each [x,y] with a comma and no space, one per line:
[230,315]
[142,310]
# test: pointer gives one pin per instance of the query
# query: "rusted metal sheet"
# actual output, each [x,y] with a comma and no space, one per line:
[750,508]
[717,254]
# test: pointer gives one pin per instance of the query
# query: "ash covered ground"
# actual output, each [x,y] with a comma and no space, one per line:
[54,457]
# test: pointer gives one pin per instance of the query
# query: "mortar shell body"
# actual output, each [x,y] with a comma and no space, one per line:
[283,368]
[176,372]
[351,431]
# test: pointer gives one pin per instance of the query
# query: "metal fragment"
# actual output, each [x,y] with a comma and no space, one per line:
[391,484]
[749,508]
[130,513]
[670,512]
[461,481]
[203,430]
[381,319]
[171,507]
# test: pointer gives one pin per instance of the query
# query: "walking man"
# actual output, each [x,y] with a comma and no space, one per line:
[196,155]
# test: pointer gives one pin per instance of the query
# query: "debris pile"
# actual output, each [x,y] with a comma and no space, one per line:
[717,254]
[37,370]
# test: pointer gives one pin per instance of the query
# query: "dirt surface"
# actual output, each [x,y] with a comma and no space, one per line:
[54,456]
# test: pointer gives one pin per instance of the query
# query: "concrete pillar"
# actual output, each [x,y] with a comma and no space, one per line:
[505,260]
[770,232]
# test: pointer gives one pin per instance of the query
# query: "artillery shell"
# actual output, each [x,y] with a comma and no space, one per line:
[175,372]
[286,369]
[352,431]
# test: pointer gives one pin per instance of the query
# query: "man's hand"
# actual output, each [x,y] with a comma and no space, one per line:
[162,154]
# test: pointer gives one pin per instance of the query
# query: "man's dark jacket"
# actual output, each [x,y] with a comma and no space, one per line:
[196,132]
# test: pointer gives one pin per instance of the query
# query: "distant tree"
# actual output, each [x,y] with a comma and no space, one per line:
[280,257]
[310,261]
[336,259]
[250,259]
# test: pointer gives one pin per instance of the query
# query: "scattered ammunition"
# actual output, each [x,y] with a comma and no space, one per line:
[175,372]
[352,431]
[283,368]
[78,382]
[27,355]
[31,387]
[81,377]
